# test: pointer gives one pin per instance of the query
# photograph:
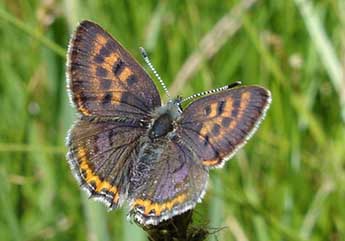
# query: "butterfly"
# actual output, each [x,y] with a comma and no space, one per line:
[128,147]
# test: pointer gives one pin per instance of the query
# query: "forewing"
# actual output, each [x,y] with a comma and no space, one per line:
[216,126]
[170,181]
[104,79]
[100,155]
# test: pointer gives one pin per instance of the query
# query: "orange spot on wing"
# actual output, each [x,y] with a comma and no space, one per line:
[100,41]
[93,178]
[245,97]
[227,108]
[116,198]
[213,112]
[210,162]
[158,208]
[104,185]
[108,63]
[125,74]
[110,60]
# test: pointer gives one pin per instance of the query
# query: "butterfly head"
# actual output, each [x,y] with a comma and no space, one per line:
[176,103]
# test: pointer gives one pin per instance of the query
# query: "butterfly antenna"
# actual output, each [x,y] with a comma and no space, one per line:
[207,92]
[148,62]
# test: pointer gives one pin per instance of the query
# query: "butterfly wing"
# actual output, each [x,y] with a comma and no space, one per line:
[168,180]
[216,126]
[100,155]
[104,79]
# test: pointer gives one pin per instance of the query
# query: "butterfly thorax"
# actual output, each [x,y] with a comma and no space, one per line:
[164,119]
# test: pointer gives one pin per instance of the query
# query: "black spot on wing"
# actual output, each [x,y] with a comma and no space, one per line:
[220,107]
[131,80]
[104,52]
[99,59]
[106,49]
[206,140]
[226,122]
[101,72]
[105,84]
[235,107]
[207,110]
[216,129]
[107,99]
[118,67]
[83,98]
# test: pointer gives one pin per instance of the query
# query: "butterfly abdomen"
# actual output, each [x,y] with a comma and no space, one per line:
[147,157]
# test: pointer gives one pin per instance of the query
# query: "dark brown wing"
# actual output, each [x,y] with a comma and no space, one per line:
[100,155]
[167,180]
[216,126]
[104,79]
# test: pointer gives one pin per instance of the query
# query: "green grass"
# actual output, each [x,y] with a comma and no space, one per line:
[288,183]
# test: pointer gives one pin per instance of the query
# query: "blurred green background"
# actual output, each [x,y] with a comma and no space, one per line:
[288,183]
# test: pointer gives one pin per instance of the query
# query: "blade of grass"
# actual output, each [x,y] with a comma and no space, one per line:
[16,147]
[211,43]
[132,231]
[271,64]
[315,209]
[236,229]
[261,228]
[274,223]
[216,206]
[7,209]
[324,47]
[96,220]
[32,33]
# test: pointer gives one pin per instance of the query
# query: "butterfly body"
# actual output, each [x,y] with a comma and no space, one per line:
[165,118]
[126,147]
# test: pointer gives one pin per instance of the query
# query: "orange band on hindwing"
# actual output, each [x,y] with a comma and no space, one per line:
[157,208]
[99,186]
